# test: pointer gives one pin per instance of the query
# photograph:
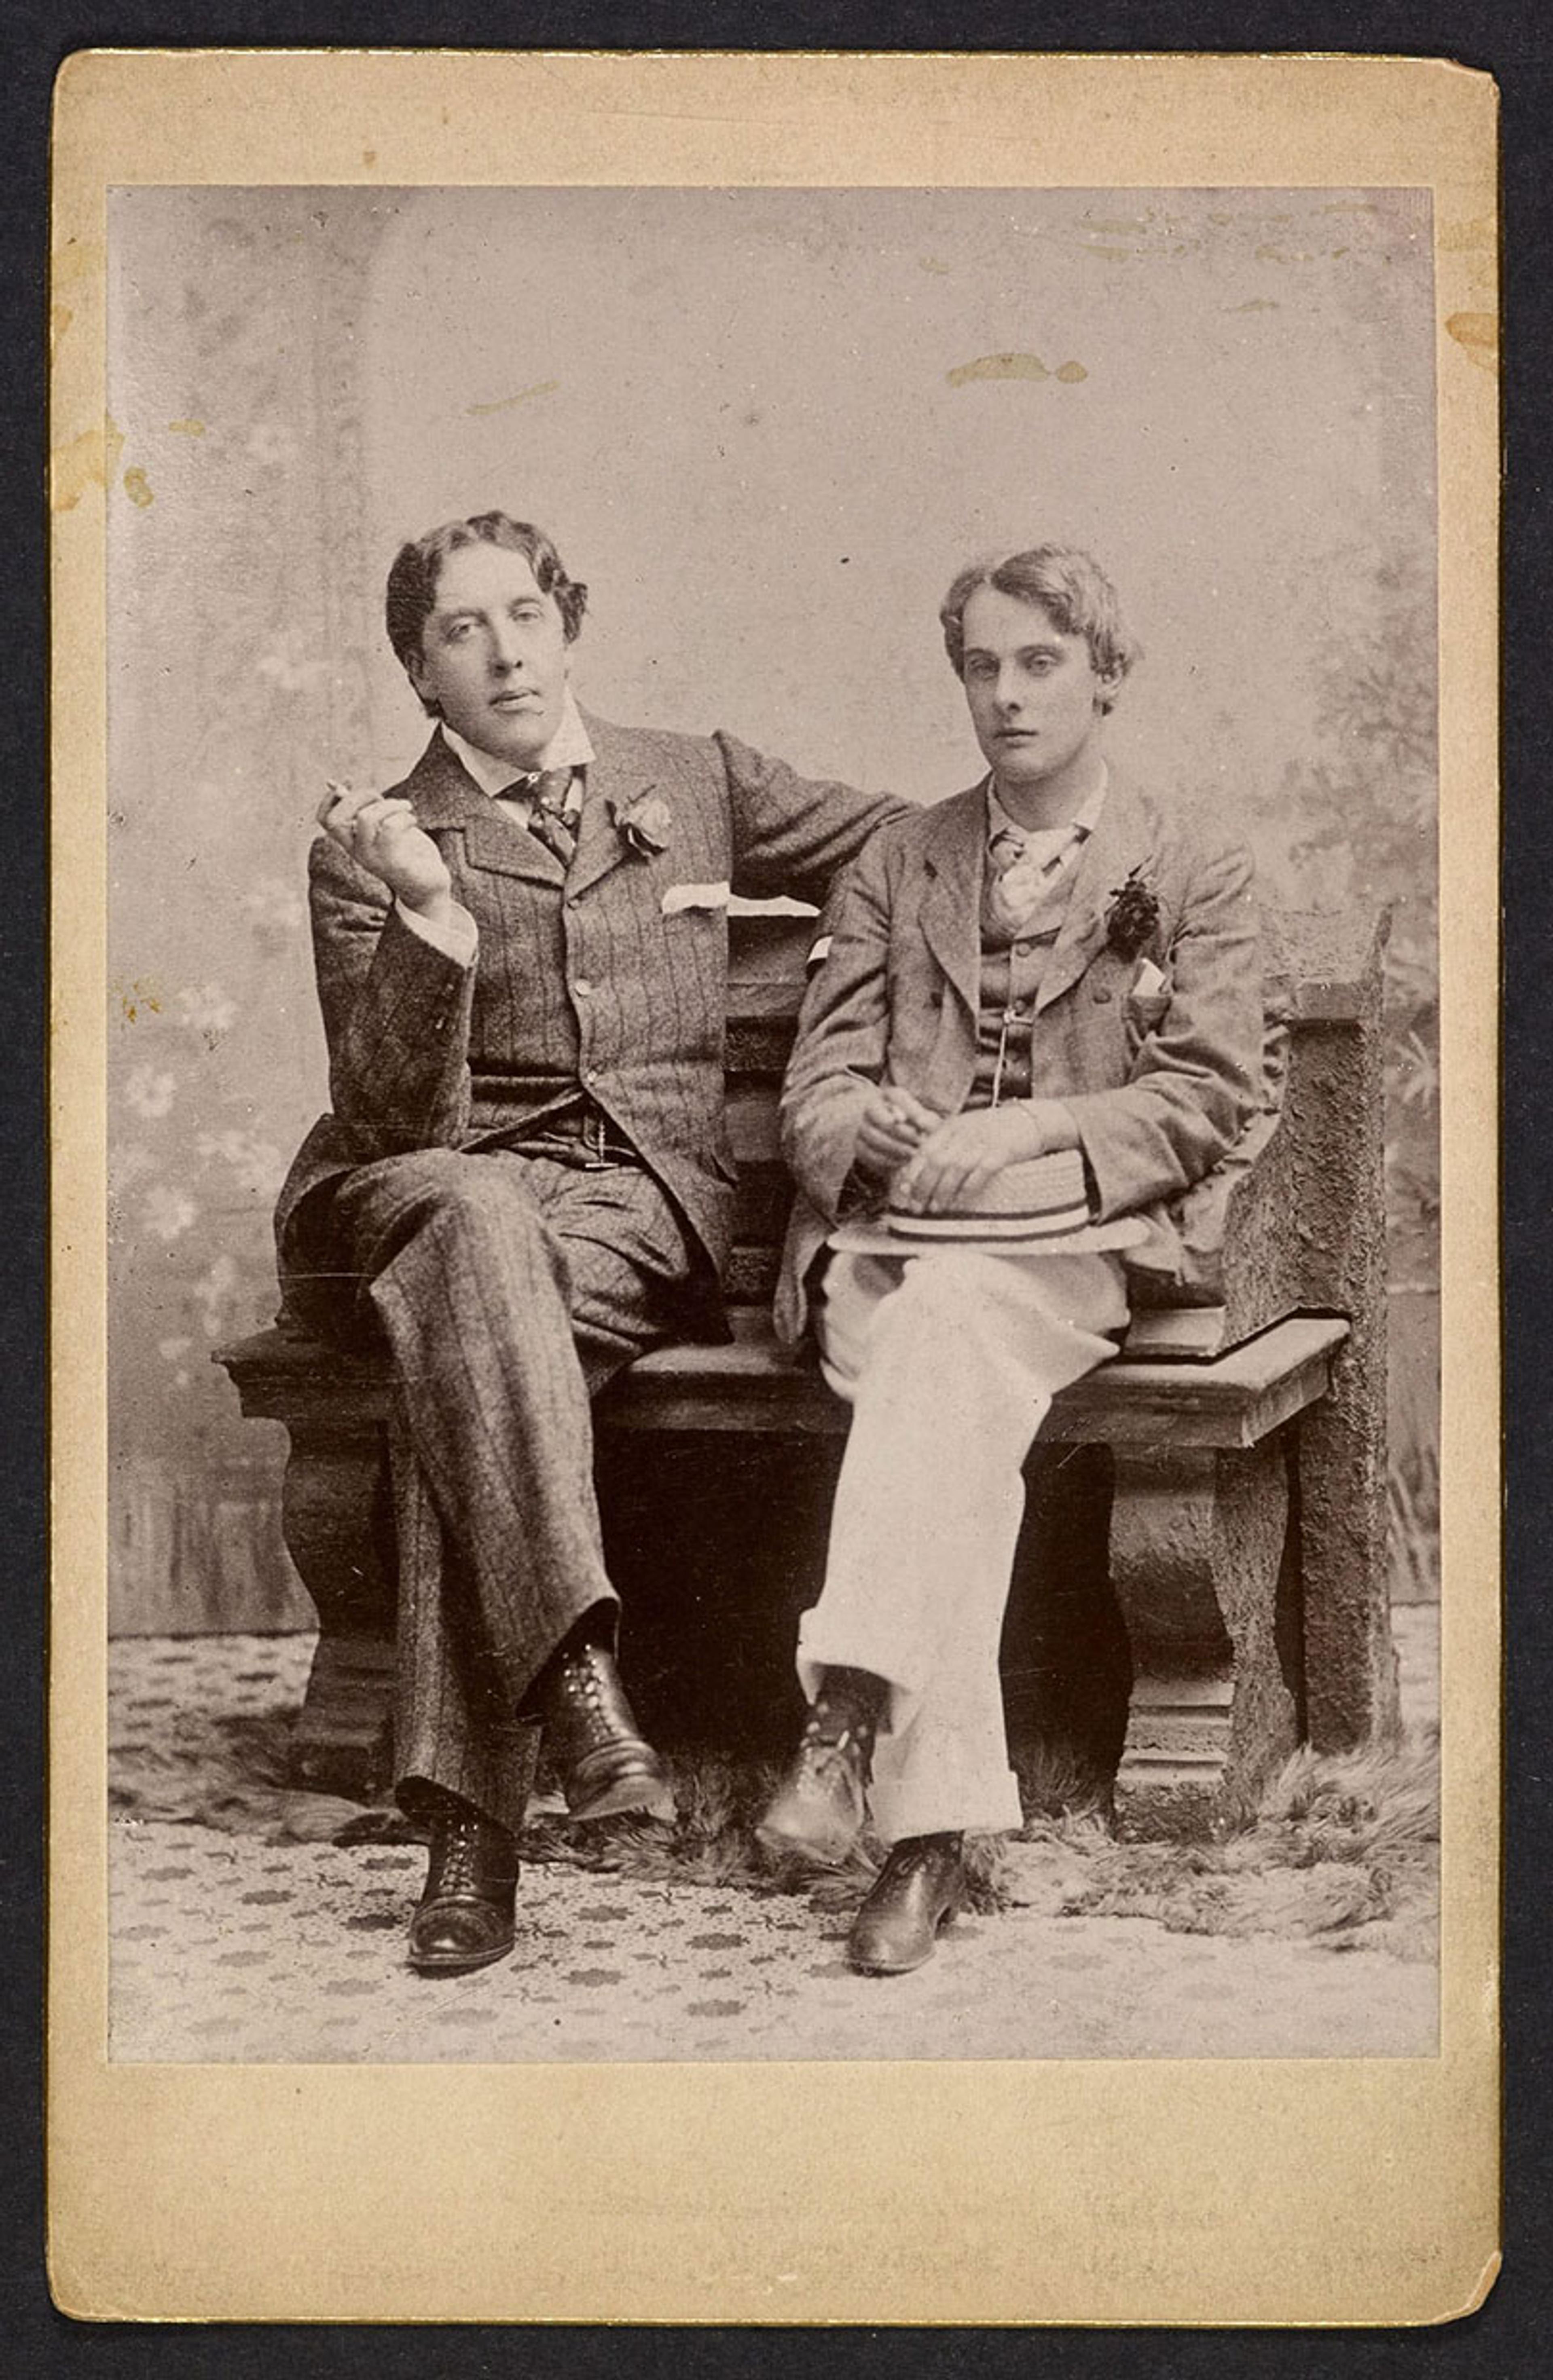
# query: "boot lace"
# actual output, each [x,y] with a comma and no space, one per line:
[833,1738]
[459,1867]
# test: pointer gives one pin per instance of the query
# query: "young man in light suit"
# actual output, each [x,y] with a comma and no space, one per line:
[1049,961]
[526,1179]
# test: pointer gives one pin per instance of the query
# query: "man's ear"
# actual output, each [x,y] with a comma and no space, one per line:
[415,669]
[1110,686]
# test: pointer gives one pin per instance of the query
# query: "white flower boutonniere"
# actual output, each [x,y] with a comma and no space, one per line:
[644,823]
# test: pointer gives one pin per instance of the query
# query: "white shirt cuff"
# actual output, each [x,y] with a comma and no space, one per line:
[457,936]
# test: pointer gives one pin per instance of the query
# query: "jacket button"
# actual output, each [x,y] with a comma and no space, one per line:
[582,986]
[1103,994]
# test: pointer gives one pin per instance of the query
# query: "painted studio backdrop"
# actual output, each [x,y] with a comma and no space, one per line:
[766,427]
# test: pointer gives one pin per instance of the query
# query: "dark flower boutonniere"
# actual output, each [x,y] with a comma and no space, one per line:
[643,822]
[1132,917]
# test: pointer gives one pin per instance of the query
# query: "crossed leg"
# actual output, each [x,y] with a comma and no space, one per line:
[510,1288]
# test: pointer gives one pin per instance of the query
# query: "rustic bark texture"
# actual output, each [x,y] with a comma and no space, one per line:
[1336,1222]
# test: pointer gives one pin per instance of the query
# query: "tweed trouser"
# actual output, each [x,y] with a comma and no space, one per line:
[950,1360]
[510,1288]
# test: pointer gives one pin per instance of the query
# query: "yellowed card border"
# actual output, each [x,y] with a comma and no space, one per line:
[1359,2192]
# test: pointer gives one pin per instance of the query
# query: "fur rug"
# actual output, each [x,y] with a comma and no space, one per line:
[1344,1848]
[1342,1851]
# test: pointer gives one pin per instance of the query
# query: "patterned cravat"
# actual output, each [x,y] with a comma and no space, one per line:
[1020,881]
[545,791]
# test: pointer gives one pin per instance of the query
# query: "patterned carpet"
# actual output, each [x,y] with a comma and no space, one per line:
[251,1933]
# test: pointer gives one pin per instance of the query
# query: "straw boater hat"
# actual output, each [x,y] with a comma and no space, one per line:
[1037,1206]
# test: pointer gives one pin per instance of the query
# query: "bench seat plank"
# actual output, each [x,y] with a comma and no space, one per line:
[1238,1400]
[752,1385]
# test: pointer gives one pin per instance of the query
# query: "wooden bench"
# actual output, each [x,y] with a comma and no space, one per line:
[1202,1582]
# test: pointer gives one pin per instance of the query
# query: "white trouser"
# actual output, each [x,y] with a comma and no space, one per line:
[950,1360]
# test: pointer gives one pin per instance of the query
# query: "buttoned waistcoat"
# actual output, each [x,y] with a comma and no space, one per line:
[1159,1086]
[586,974]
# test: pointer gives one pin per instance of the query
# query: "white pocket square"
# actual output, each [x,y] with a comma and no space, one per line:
[1149,981]
[694,896]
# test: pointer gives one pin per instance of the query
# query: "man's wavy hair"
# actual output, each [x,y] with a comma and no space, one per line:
[1067,583]
[412,582]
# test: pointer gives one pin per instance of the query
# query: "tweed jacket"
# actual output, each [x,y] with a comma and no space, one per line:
[611,973]
[1159,1084]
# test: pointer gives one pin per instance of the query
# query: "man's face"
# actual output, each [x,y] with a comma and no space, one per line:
[1032,688]
[494,654]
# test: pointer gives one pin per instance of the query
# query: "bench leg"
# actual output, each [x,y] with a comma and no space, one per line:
[1351,1663]
[1066,1666]
[336,1516]
[1204,1560]
[1339,1212]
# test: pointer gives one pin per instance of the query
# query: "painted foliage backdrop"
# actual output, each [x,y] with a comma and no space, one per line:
[767,427]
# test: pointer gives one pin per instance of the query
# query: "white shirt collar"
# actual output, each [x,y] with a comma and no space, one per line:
[1080,826]
[569,747]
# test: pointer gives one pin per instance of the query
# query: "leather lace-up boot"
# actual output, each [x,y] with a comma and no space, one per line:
[816,1811]
[465,1914]
[605,1765]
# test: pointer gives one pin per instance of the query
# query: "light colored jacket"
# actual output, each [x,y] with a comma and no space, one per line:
[1158,1086]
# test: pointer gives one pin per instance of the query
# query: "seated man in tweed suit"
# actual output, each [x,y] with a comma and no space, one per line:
[526,1179]
[1051,961]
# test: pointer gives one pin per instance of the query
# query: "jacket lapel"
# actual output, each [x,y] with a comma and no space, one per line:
[611,779]
[446,797]
[952,858]
[1120,843]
